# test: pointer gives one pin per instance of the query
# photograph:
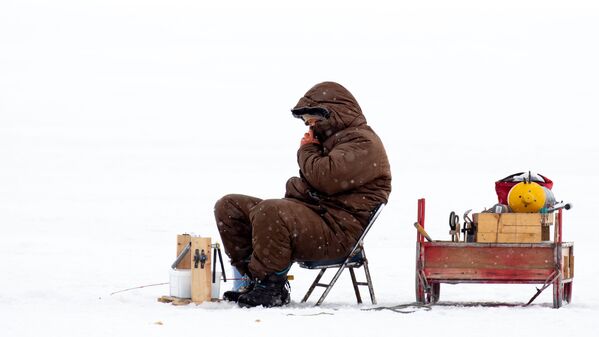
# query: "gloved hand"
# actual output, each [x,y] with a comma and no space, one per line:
[297,188]
[309,138]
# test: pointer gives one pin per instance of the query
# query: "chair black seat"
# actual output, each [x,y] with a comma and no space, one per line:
[356,261]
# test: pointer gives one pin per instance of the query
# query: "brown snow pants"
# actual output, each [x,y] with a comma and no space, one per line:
[274,233]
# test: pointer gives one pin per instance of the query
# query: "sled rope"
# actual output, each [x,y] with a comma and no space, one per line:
[403,308]
[139,287]
[316,314]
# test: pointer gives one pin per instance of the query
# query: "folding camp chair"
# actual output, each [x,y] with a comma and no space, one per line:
[355,259]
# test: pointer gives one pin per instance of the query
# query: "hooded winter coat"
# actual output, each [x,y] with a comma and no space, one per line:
[348,174]
[342,179]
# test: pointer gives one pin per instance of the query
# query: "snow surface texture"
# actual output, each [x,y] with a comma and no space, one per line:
[122,122]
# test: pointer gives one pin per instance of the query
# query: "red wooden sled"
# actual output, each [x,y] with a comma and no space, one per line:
[511,263]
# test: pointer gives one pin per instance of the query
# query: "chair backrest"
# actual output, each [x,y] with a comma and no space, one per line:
[375,214]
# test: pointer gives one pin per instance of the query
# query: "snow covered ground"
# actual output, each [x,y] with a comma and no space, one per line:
[122,122]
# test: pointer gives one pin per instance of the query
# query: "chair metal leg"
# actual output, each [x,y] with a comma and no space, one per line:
[361,261]
[369,281]
[330,286]
[355,283]
[314,285]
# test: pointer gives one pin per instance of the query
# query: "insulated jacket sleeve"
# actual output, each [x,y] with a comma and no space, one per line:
[348,165]
[296,188]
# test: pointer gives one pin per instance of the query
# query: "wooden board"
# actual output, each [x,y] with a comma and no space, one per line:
[182,241]
[572,266]
[486,236]
[492,262]
[174,300]
[487,222]
[547,219]
[489,257]
[519,237]
[201,277]
[519,223]
[545,234]
[511,227]
[566,266]
[487,275]
[484,263]
[568,262]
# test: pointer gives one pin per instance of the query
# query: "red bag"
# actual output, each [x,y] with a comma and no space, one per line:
[503,186]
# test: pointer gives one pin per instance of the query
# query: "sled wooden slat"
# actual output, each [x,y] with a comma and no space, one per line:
[483,275]
[488,257]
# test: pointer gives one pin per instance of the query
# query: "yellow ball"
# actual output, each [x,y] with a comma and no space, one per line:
[526,197]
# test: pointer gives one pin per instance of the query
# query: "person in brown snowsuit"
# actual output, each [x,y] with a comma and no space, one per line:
[344,173]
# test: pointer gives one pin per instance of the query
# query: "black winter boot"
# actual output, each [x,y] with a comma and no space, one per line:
[233,295]
[273,291]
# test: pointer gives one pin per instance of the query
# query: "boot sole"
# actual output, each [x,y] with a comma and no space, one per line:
[245,305]
[283,303]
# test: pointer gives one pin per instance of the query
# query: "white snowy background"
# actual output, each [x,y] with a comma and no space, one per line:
[123,121]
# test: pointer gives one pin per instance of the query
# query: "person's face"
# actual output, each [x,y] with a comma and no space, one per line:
[321,127]
[312,120]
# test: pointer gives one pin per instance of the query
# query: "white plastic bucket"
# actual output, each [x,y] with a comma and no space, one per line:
[180,283]
[216,285]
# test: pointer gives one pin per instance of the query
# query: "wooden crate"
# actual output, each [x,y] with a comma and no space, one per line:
[201,274]
[512,227]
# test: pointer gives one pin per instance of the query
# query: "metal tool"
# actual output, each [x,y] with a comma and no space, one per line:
[181,256]
[469,229]
[199,258]
[215,252]
[454,227]
[558,206]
